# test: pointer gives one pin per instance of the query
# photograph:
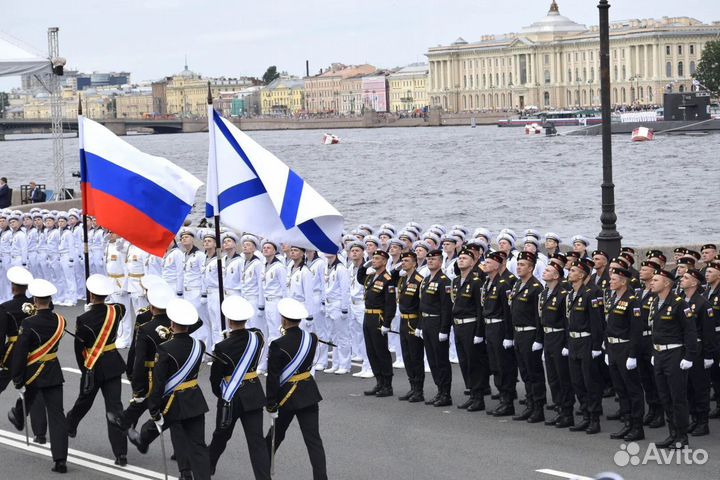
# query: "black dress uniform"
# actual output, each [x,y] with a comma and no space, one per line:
[674,339]
[408,297]
[623,336]
[9,326]
[584,311]
[713,298]
[551,306]
[527,330]
[95,333]
[247,402]
[498,327]
[299,397]
[43,377]
[380,307]
[468,323]
[436,312]
[183,411]
[655,417]
[144,315]
[698,375]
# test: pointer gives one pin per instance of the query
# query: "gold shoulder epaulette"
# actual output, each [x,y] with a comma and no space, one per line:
[677,299]
[536,284]
[387,276]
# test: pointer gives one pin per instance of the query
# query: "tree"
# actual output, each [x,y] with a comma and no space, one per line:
[270,74]
[708,70]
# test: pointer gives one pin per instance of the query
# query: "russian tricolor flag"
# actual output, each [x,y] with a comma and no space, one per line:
[143,198]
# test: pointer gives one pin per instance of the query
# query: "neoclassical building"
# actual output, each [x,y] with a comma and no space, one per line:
[554,63]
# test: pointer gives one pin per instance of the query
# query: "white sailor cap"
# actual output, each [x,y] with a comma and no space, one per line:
[482,232]
[182,312]
[159,295]
[62,215]
[27,215]
[37,214]
[450,238]
[349,238]
[458,233]
[436,231]
[4,214]
[41,288]
[44,211]
[74,213]
[580,238]
[237,309]
[366,227]
[462,228]
[388,226]
[250,238]
[100,285]
[480,242]
[356,243]
[408,234]
[414,225]
[533,240]
[397,242]
[267,241]
[19,275]
[34,209]
[413,229]
[531,232]
[208,233]
[49,216]
[371,238]
[438,227]
[14,216]
[553,236]
[151,280]
[505,236]
[186,231]
[385,231]
[231,235]
[292,309]
[510,232]
[422,244]
[432,236]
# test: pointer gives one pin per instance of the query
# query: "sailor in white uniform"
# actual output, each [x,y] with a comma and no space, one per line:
[75,225]
[337,304]
[5,243]
[210,293]
[318,266]
[171,268]
[98,241]
[356,257]
[193,265]
[300,282]
[233,262]
[67,295]
[252,281]
[274,288]
[41,266]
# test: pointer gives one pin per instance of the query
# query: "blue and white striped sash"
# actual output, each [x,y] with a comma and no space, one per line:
[236,379]
[181,375]
[302,353]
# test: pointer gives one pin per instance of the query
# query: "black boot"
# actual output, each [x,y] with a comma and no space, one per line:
[433,399]
[594,426]
[566,420]
[636,432]
[409,394]
[505,409]
[417,395]
[466,404]
[134,438]
[60,467]
[376,388]
[551,406]
[659,420]
[386,389]
[477,405]
[650,415]
[552,421]
[681,441]
[627,426]
[583,425]
[701,428]
[17,419]
[670,440]
[525,413]
[538,413]
[445,399]
[693,422]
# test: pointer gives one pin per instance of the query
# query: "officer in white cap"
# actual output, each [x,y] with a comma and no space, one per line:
[275,286]
[35,367]
[252,281]
[99,361]
[235,383]
[291,389]
[176,401]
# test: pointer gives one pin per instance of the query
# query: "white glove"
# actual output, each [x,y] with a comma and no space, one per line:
[418,333]
[564,352]
[542,357]
[443,337]
[536,346]
[478,340]
[159,423]
[273,415]
[384,330]
[595,353]
[203,300]
[607,360]
[685,364]
[508,344]
[708,362]
[652,360]
[137,399]
[403,273]
[87,307]
[370,271]
[631,363]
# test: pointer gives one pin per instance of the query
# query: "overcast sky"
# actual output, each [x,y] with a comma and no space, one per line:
[150,38]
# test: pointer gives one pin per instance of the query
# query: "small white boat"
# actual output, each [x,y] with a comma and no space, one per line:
[330,139]
[532,128]
[642,134]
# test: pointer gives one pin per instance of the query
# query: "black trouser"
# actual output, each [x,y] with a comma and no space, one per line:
[585,375]
[149,432]
[413,355]
[714,378]
[626,382]
[376,345]
[308,419]
[438,354]
[671,383]
[503,363]
[188,440]
[473,359]
[111,391]
[252,423]
[558,372]
[53,399]
[531,367]
[132,413]
[38,417]
[647,375]
[699,387]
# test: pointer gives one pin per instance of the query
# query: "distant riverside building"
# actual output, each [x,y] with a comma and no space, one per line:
[78,80]
[325,92]
[408,88]
[283,96]
[555,63]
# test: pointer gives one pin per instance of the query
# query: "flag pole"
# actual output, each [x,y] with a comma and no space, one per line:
[83,167]
[221,290]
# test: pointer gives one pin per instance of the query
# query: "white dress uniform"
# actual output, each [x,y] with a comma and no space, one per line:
[5,244]
[98,239]
[357,314]
[252,290]
[394,340]
[193,265]
[66,248]
[19,249]
[33,237]
[210,299]
[134,270]
[337,302]
[232,281]
[171,269]
[79,260]
[43,267]
[115,268]
[448,269]
[318,267]
[300,287]
[275,285]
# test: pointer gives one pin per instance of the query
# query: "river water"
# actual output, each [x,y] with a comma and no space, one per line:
[667,191]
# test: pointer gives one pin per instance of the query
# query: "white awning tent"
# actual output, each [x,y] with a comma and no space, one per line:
[18,59]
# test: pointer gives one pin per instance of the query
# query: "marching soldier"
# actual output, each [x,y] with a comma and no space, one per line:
[411,342]
[675,341]
[235,383]
[436,318]
[175,401]
[380,308]
[36,370]
[100,363]
[291,389]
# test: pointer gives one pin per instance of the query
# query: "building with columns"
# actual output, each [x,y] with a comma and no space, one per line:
[408,88]
[554,63]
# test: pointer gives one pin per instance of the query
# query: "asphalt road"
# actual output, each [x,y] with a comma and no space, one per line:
[366,438]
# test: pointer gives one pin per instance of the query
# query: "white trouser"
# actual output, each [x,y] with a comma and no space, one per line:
[338,330]
[357,311]
[127,323]
[192,295]
[394,340]
[33,265]
[213,318]
[97,262]
[5,289]
[271,327]
[318,327]
[453,351]
[80,277]
[44,268]
[69,292]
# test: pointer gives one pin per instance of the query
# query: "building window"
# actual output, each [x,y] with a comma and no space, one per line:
[668,69]
[679,49]
[650,94]
[667,49]
[615,70]
[624,73]
[547,76]
[681,69]
[591,55]
[546,99]
[692,68]
[681,89]
[569,76]
[622,94]
[546,59]
[692,49]
[592,74]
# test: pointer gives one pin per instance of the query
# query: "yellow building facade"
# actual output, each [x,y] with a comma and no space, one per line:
[408,88]
[283,96]
[186,93]
[554,63]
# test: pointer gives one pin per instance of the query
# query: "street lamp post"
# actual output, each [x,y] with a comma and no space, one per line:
[608,238]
